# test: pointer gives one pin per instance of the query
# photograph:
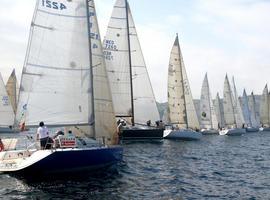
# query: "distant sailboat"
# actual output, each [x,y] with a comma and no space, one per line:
[6,110]
[247,114]
[252,108]
[181,110]
[57,87]
[219,111]
[264,110]
[233,125]
[13,90]
[132,93]
[208,119]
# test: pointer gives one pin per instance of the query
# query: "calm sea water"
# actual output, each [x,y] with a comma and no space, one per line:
[216,167]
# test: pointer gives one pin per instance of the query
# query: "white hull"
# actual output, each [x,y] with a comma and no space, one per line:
[252,129]
[264,129]
[232,132]
[209,131]
[182,134]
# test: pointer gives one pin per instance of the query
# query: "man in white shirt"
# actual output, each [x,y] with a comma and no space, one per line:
[42,135]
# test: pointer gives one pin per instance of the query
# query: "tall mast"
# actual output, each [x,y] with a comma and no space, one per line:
[91,73]
[183,88]
[130,67]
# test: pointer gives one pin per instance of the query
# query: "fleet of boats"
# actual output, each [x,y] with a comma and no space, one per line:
[103,94]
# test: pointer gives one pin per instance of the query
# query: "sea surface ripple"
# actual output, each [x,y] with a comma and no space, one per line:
[216,167]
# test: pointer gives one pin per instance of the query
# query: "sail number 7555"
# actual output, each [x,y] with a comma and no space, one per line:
[53,5]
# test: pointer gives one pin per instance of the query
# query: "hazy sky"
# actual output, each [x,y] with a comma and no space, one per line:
[217,37]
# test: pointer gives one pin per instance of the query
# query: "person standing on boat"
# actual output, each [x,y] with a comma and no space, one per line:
[42,135]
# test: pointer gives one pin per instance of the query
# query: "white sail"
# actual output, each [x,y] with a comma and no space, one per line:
[237,108]
[181,107]
[12,90]
[245,108]
[219,111]
[6,110]
[105,123]
[229,116]
[208,117]
[123,59]
[56,78]
[252,108]
[264,107]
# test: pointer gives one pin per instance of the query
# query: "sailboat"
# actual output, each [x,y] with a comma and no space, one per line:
[6,111]
[132,93]
[181,110]
[12,90]
[219,111]
[208,119]
[247,114]
[232,115]
[264,110]
[57,87]
[252,108]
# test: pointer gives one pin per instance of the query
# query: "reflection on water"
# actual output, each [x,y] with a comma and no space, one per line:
[217,167]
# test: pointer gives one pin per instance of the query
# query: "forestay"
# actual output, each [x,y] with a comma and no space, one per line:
[56,84]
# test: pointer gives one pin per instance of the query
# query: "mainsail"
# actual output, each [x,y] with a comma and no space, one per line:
[229,116]
[219,111]
[264,107]
[245,108]
[129,81]
[12,90]
[252,108]
[237,108]
[56,84]
[6,111]
[181,109]
[208,117]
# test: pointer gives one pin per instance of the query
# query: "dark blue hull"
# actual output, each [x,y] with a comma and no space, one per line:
[141,134]
[74,160]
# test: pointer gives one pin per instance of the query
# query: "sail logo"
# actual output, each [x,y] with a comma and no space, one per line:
[53,5]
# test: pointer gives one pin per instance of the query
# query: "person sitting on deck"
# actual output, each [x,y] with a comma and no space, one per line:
[56,138]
